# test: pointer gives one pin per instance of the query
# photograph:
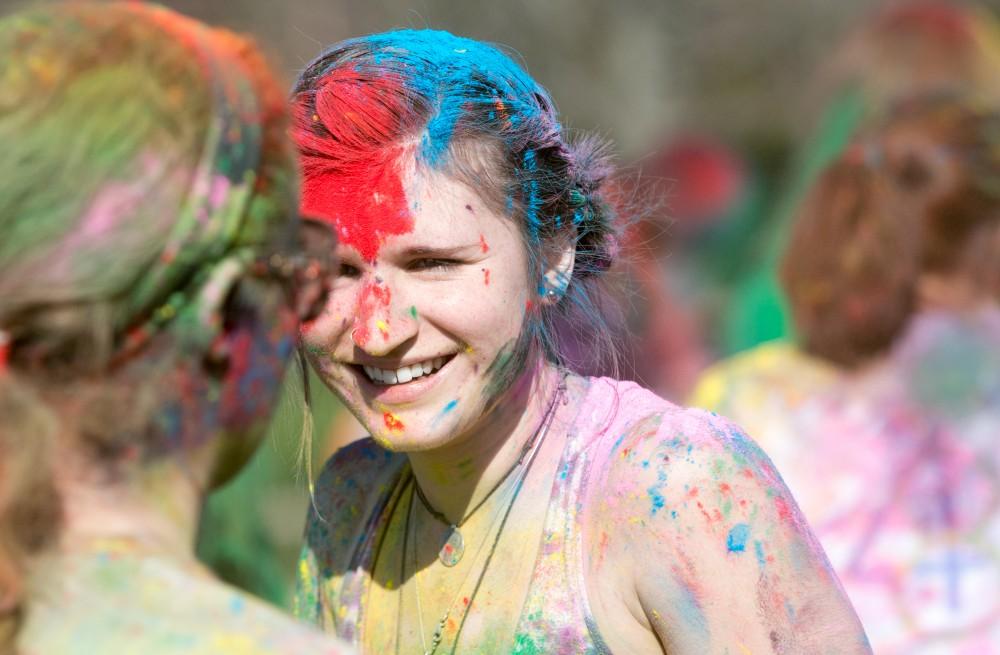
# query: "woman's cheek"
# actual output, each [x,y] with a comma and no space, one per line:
[322,333]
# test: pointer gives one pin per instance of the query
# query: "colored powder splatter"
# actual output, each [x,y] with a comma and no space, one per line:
[413,311]
[759,551]
[373,297]
[690,609]
[783,510]
[485,247]
[350,122]
[736,541]
[383,327]
[393,423]
[444,412]
[486,276]
[656,499]
[351,171]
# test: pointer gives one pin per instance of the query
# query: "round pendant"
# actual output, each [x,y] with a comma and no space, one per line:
[453,549]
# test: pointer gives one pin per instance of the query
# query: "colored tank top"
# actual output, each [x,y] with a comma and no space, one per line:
[555,617]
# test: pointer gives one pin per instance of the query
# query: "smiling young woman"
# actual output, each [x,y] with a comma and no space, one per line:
[502,503]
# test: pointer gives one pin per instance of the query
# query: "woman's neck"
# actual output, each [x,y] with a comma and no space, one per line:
[457,477]
[157,507]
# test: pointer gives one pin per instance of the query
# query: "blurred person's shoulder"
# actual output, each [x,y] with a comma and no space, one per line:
[769,390]
[118,601]
[774,367]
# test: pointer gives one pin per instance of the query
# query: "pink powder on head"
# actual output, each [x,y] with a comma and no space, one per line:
[351,158]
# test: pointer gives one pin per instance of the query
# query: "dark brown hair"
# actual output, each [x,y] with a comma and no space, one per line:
[921,194]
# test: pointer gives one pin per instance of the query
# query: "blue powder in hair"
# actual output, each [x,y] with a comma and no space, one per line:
[533,202]
[456,75]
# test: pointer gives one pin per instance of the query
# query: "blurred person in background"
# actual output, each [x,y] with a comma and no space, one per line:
[892,274]
[682,258]
[152,279]
[902,49]
[502,503]
[906,48]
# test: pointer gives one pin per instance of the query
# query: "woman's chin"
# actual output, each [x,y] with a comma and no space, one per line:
[412,431]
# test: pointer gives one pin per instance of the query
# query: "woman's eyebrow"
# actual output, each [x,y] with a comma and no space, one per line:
[439,252]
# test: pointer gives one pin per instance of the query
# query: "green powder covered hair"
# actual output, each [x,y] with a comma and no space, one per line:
[139,148]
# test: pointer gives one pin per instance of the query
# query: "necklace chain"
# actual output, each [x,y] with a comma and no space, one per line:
[532,447]
[524,451]
[453,548]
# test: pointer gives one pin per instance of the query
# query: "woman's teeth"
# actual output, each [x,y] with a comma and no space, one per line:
[404,374]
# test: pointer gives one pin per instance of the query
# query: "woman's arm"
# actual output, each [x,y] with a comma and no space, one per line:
[712,549]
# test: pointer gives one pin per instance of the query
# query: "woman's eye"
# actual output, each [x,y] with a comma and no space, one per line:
[432,264]
[346,270]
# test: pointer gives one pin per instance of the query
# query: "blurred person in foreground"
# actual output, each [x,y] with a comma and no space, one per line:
[893,277]
[152,279]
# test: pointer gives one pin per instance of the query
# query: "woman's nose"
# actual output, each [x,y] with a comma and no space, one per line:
[378,328]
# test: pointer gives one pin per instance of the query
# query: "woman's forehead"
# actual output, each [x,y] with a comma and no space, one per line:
[444,207]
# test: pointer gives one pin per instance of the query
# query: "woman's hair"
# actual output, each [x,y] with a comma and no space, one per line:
[144,160]
[473,113]
[30,513]
[919,195]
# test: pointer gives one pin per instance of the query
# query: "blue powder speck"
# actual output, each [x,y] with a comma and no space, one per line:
[657,500]
[736,541]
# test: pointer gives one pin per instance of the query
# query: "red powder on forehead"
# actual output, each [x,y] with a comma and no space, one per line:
[351,158]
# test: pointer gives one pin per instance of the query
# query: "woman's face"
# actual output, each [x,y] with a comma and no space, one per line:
[417,341]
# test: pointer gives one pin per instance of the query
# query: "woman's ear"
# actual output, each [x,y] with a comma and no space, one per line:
[560,259]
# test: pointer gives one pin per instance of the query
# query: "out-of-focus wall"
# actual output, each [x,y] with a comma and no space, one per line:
[631,69]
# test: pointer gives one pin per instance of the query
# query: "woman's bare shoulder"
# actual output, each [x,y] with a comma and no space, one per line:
[701,528]
[684,445]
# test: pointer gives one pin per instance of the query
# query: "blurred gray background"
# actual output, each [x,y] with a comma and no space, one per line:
[633,70]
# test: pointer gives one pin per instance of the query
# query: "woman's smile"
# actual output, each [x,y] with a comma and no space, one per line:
[402,384]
